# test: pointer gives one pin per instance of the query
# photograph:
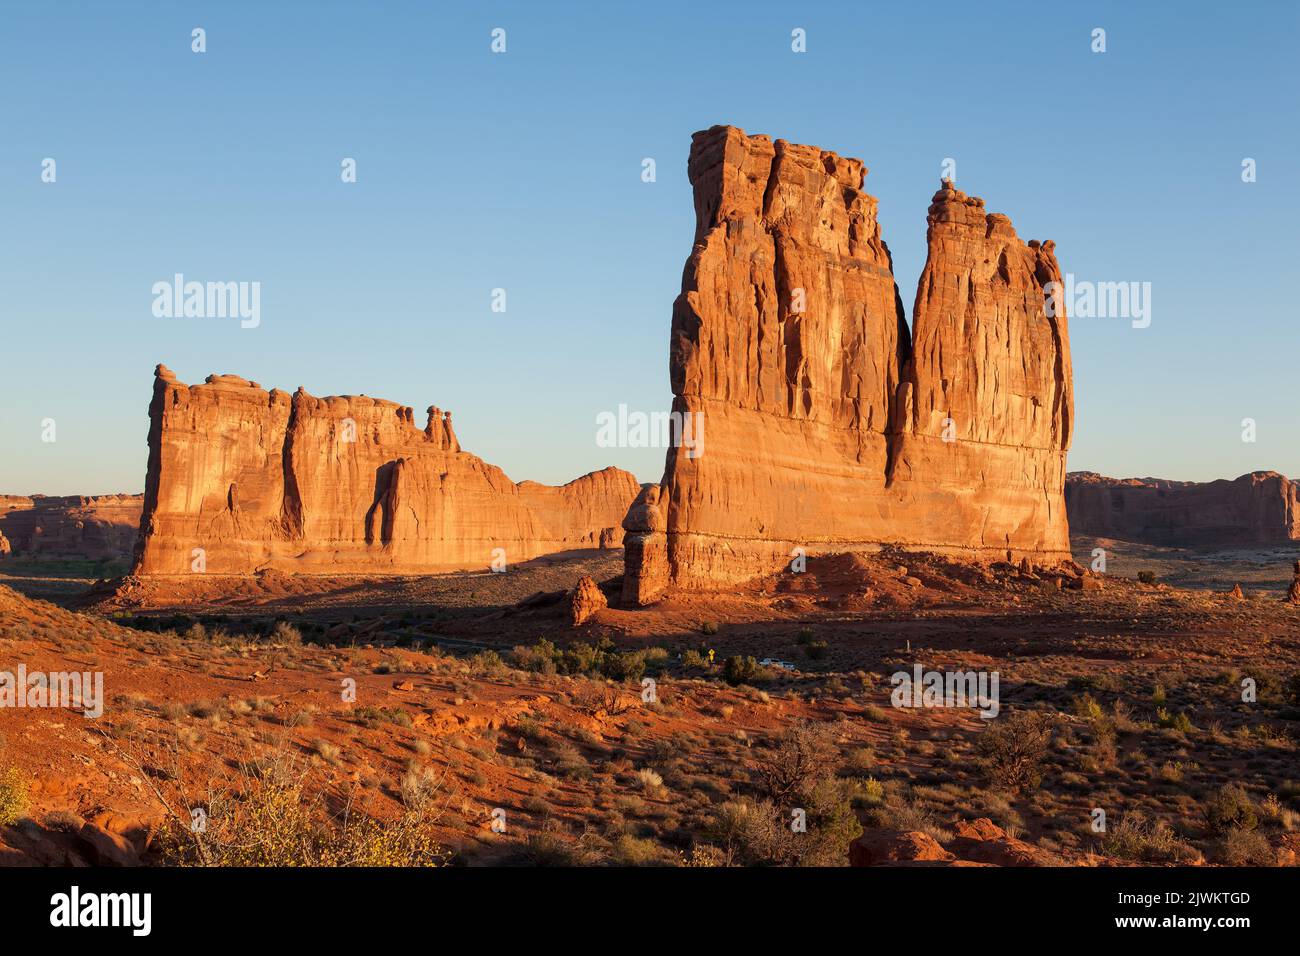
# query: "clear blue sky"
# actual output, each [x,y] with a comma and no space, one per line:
[522,171]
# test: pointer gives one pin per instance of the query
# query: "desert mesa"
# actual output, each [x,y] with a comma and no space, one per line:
[241,479]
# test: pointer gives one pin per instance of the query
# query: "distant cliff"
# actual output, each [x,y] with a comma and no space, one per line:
[1258,509]
[43,527]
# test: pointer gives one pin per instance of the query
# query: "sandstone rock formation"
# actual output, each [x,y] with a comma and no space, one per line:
[1258,509]
[983,841]
[830,427]
[977,843]
[586,600]
[645,549]
[1293,592]
[92,528]
[344,484]
[896,847]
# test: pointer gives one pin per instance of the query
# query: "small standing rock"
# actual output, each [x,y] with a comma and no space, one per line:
[586,600]
[1293,595]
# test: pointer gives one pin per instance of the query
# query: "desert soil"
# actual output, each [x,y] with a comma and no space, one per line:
[455,714]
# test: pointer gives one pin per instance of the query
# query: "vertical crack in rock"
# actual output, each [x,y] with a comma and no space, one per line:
[291,518]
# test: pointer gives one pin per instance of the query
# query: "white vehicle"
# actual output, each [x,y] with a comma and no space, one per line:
[773,662]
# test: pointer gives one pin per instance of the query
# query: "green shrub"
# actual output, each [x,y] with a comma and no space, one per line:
[286,633]
[637,851]
[759,833]
[858,759]
[1291,689]
[275,823]
[583,658]
[1180,721]
[486,664]
[602,659]
[14,801]
[742,670]
[552,848]
[1245,848]
[871,792]
[1088,708]
[1133,838]
[371,716]
[816,650]
[541,658]
[656,658]
[623,667]
[1231,809]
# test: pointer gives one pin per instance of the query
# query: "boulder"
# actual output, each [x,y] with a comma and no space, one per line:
[983,841]
[106,848]
[585,600]
[892,847]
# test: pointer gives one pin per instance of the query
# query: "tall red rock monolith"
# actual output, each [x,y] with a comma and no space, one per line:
[825,430]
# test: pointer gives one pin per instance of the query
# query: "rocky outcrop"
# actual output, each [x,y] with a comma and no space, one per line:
[986,408]
[586,601]
[977,843]
[1293,592]
[645,549]
[896,848]
[1256,510]
[242,479]
[828,430]
[62,528]
[983,841]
